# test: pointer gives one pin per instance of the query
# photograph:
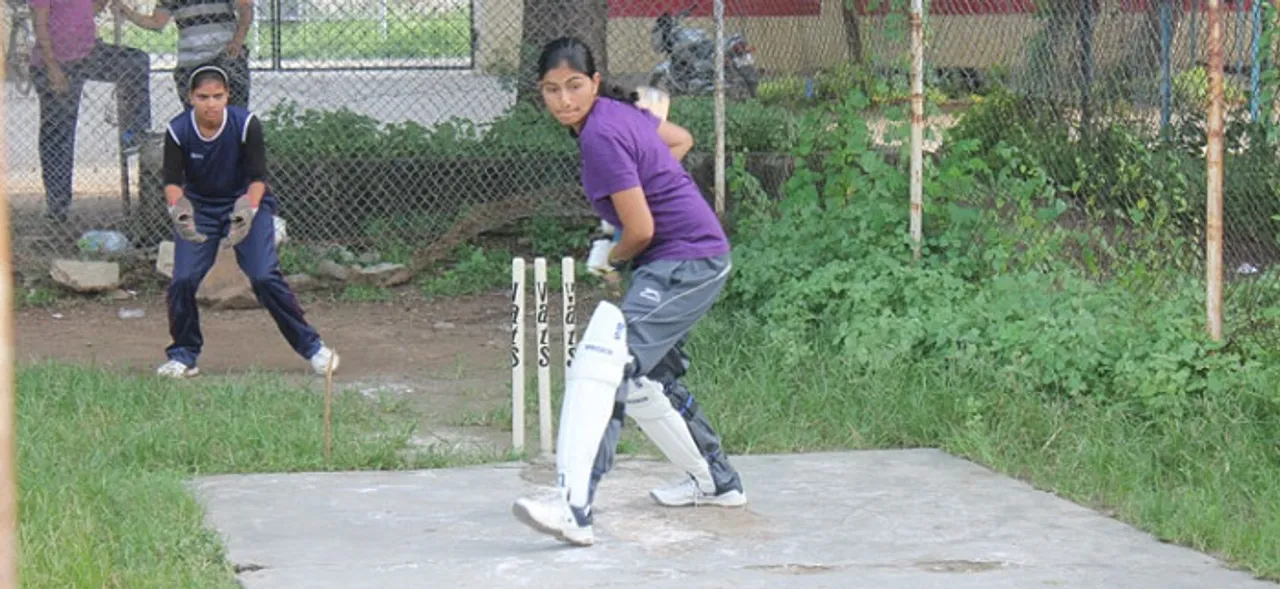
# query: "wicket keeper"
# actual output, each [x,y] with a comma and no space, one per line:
[215,185]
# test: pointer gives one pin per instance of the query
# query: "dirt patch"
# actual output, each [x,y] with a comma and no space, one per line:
[448,356]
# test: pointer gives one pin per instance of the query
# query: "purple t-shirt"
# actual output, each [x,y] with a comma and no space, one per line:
[72,31]
[620,149]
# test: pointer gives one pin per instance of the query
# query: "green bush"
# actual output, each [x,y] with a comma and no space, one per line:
[1128,173]
[749,126]
[292,133]
[1191,90]
[1020,339]
[1112,168]
[831,271]
[882,86]
[344,171]
[1250,182]
[524,130]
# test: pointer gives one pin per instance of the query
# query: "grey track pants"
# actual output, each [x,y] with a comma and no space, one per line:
[665,300]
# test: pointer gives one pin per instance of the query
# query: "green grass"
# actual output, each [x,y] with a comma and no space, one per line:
[364,293]
[479,270]
[445,35]
[1209,480]
[38,296]
[104,459]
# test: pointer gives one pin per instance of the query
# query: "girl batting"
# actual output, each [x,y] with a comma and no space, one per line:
[629,360]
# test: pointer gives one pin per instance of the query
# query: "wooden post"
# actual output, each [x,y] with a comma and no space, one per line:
[1213,157]
[8,412]
[917,127]
[718,13]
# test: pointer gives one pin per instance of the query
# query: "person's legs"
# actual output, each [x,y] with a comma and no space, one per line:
[728,483]
[668,373]
[59,113]
[608,449]
[191,262]
[130,70]
[664,302]
[258,258]
[591,381]
[237,69]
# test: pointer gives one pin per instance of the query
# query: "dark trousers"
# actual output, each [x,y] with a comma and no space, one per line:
[237,69]
[664,301]
[260,262]
[128,69]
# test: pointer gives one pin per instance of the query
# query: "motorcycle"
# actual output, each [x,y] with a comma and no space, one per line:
[689,68]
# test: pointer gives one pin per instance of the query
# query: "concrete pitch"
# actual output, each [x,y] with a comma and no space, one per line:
[881,519]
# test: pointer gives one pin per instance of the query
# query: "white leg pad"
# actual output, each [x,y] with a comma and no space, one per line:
[652,411]
[591,384]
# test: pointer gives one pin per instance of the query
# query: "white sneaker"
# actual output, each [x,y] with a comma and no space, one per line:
[685,492]
[320,360]
[176,369]
[556,518]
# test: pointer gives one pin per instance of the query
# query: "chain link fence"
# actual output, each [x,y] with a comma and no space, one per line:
[396,123]
[361,103]
[410,126]
[1110,99]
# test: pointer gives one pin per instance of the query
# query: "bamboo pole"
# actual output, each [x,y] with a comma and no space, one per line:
[1213,157]
[8,413]
[917,126]
[718,12]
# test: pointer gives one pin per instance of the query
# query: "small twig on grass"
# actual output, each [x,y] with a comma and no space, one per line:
[1052,437]
[328,411]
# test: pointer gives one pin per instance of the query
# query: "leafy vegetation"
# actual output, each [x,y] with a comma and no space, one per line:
[1052,329]
[524,131]
[1073,356]
[349,176]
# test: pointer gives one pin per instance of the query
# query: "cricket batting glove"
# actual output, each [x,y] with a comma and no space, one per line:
[241,221]
[183,215]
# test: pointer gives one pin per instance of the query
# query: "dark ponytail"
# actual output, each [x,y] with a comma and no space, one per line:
[572,52]
[619,93]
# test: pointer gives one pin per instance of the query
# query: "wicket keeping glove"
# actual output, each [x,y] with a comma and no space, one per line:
[183,215]
[241,221]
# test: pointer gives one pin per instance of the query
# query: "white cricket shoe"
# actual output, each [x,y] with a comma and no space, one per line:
[685,492]
[320,360]
[555,517]
[176,369]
